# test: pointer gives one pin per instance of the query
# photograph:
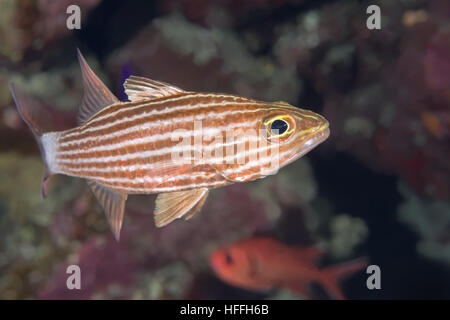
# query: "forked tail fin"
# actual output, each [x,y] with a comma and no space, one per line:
[33,116]
[334,274]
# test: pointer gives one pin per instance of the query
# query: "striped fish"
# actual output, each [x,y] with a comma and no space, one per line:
[166,140]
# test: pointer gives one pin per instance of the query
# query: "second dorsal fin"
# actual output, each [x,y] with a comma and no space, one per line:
[96,95]
[139,88]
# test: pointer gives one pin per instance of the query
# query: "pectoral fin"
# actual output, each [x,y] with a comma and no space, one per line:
[174,205]
[113,204]
[195,208]
[170,168]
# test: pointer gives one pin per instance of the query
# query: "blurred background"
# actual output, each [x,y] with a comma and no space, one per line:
[378,187]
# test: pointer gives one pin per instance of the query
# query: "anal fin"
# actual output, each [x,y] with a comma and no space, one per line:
[174,205]
[113,204]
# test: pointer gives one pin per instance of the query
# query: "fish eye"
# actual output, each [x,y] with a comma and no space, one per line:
[228,258]
[279,127]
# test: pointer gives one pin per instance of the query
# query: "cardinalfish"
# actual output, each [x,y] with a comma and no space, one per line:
[263,263]
[133,147]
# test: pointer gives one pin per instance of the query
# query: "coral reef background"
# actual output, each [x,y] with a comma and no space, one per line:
[378,187]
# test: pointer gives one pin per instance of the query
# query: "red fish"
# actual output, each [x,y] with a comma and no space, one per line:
[263,263]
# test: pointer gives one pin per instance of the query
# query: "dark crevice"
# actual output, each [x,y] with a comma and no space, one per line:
[357,190]
[285,13]
[105,29]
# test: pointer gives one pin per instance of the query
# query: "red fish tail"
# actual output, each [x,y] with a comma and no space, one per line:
[32,114]
[334,274]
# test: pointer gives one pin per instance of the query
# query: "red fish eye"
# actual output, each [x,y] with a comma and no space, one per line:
[228,258]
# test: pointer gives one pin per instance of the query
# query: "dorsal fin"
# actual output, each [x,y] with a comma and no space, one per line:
[139,88]
[113,204]
[96,95]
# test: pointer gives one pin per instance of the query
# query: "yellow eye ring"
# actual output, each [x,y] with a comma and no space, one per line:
[283,124]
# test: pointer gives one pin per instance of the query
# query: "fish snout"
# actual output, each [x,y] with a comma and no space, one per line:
[321,125]
[216,260]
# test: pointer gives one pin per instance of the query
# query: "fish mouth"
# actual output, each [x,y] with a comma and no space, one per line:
[318,137]
[311,143]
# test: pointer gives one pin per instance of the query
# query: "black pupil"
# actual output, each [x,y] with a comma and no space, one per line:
[228,258]
[279,125]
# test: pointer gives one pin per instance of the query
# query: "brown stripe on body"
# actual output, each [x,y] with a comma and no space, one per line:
[136,150]
[145,170]
[137,159]
[148,131]
[185,98]
[147,186]
[127,110]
